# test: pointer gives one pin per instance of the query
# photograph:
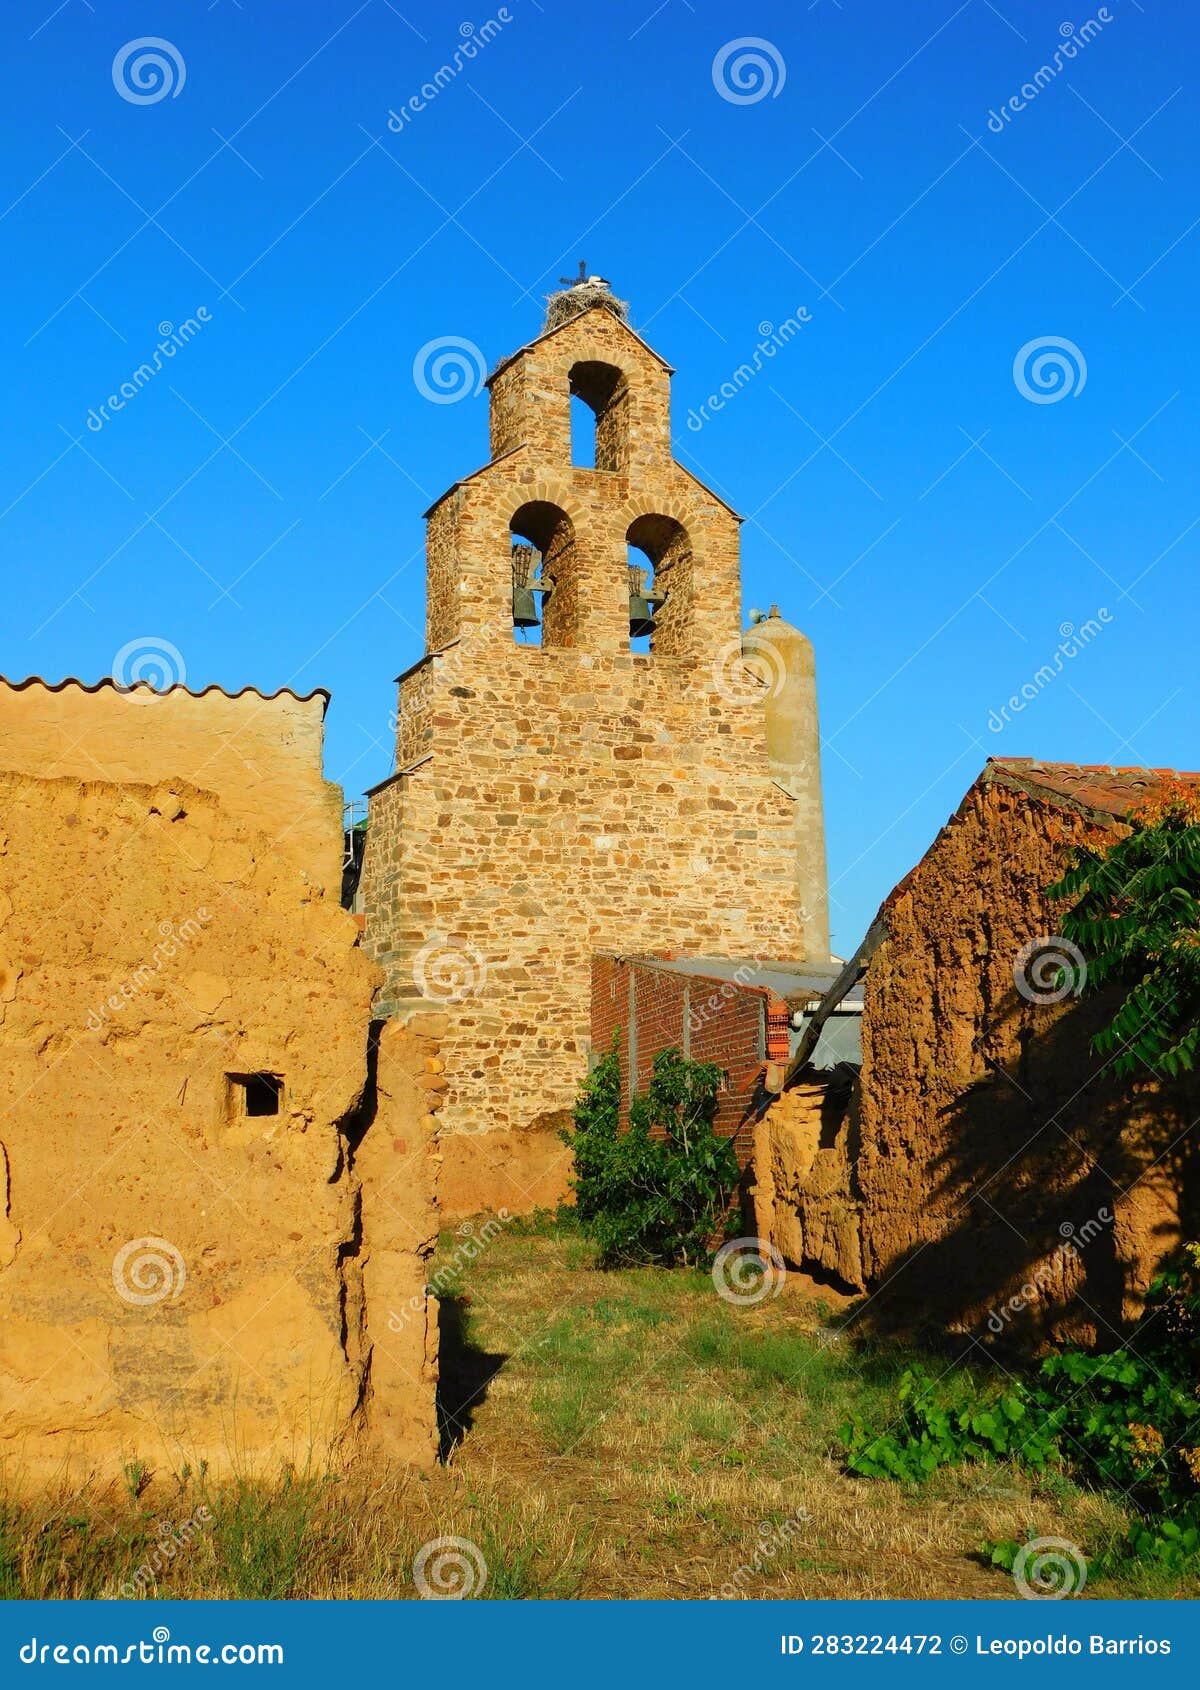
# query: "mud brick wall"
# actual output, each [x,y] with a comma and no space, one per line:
[261,756]
[574,797]
[805,1197]
[989,1128]
[211,1193]
[989,1175]
[650,1007]
[395,1163]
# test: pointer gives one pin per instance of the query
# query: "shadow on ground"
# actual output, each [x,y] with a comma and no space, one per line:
[464,1374]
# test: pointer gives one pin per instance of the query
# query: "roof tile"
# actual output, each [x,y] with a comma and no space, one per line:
[1094,786]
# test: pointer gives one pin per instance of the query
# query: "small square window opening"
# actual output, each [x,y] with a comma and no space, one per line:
[254,1094]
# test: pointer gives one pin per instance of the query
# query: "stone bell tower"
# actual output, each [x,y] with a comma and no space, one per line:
[582,756]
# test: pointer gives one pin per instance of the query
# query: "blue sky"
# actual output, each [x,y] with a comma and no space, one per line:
[257,505]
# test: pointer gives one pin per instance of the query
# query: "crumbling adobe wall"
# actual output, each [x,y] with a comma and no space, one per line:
[181,1279]
[395,1165]
[1010,1186]
[261,756]
[986,1174]
[804,1197]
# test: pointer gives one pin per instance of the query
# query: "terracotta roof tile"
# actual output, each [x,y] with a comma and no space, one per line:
[1091,786]
[143,686]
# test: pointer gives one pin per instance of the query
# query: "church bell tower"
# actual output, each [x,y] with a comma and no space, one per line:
[584,761]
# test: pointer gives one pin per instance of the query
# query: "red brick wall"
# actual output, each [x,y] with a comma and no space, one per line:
[710,1020]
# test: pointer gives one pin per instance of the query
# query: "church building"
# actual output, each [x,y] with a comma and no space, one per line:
[591,755]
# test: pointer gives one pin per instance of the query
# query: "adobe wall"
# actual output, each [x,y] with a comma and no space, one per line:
[180,1279]
[261,756]
[804,1198]
[1007,1186]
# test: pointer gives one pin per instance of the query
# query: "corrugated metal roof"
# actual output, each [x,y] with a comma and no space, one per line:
[789,980]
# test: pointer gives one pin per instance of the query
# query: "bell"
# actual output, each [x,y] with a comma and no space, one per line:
[524,608]
[641,616]
[524,568]
[641,605]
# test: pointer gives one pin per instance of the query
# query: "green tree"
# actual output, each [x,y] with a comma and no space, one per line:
[659,1191]
[1135,915]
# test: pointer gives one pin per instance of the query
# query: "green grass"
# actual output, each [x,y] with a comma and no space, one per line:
[636,1440]
[259,1535]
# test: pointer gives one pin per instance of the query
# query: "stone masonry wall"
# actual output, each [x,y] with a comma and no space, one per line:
[573,797]
[552,822]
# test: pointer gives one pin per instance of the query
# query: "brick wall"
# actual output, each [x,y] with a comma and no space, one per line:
[650,1007]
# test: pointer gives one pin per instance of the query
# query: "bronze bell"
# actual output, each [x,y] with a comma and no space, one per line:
[524,605]
[642,605]
[641,616]
[524,608]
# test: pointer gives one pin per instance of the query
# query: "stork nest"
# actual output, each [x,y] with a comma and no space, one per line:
[573,301]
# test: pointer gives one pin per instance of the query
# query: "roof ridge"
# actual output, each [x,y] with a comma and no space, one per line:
[144,686]
[1159,771]
[1104,788]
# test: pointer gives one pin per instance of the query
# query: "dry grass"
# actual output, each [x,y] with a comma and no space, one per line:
[611,1435]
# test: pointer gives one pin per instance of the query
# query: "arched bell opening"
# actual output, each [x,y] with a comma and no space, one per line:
[599,416]
[544,588]
[660,585]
